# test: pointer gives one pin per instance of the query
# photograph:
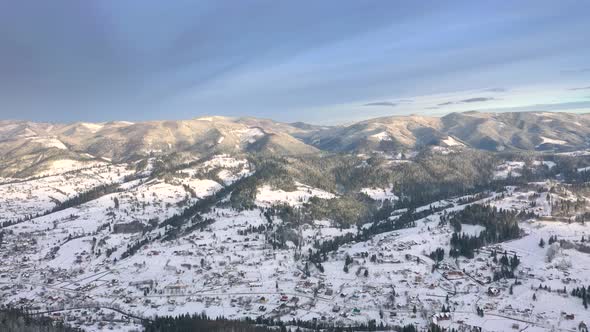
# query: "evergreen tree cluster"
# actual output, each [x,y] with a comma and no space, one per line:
[583,293]
[500,225]
[16,320]
[437,255]
[201,322]
[87,196]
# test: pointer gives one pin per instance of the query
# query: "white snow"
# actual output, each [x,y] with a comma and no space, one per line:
[67,165]
[547,140]
[380,194]
[249,134]
[548,163]
[49,142]
[508,168]
[382,136]
[93,127]
[30,197]
[472,230]
[451,141]
[267,196]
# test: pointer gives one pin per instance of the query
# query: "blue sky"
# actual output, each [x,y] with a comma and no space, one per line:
[316,61]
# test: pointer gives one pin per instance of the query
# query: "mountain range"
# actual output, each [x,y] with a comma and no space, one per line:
[25,144]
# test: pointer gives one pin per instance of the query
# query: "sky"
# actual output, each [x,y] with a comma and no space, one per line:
[330,61]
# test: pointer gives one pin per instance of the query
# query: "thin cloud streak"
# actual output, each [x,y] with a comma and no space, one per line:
[382,103]
[581,88]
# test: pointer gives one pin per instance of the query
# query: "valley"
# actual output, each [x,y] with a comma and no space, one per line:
[380,225]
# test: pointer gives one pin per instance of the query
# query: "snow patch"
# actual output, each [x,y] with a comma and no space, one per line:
[68,165]
[249,134]
[380,194]
[93,127]
[472,230]
[49,142]
[547,140]
[267,196]
[382,136]
[508,168]
[451,141]
[549,164]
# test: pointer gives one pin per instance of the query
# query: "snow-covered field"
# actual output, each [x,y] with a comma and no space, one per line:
[380,194]
[510,168]
[22,198]
[267,196]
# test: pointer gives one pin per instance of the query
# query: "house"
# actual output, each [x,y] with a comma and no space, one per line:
[141,284]
[453,274]
[493,291]
[441,316]
[175,288]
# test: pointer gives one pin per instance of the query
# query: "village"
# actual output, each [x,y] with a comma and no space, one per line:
[72,265]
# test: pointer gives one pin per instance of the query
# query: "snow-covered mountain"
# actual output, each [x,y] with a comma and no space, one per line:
[31,143]
[532,131]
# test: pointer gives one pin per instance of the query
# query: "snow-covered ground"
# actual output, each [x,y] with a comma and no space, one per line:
[267,196]
[22,198]
[72,259]
[380,194]
[509,168]
[382,136]
[68,165]
[451,141]
[547,140]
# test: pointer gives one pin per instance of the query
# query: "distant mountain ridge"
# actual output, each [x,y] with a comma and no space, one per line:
[535,131]
[25,143]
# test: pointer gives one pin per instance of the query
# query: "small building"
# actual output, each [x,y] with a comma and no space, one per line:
[441,316]
[493,291]
[175,288]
